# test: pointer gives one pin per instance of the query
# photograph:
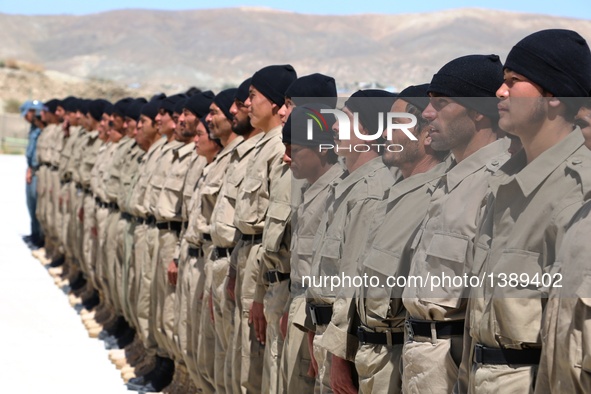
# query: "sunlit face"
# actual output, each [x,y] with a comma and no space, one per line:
[191,120]
[260,108]
[346,148]
[522,104]
[450,126]
[286,110]
[203,145]
[219,125]
[118,123]
[410,149]
[165,122]
[240,120]
[130,127]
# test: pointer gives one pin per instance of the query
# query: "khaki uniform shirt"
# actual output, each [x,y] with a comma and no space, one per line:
[222,228]
[443,243]
[343,231]
[112,174]
[43,144]
[168,204]
[305,222]
[56,145]
[156,179]
[209,189]
[89,154]
[196,167]
[565,365]
[253,196]
[275,254]
[395,223]
[127,175]
[140,183]
[103,159]
[527,213]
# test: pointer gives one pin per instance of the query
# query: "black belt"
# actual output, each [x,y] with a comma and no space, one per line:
[172,226]
[218,253]
[276,276]
[113,205]
[100,203]
[140,220]
[320,314]
[126,216]
[150,220]
[443,328]
[54,168]
[488,355]
[207,237]
[254,238]
[195,252]
[380,338]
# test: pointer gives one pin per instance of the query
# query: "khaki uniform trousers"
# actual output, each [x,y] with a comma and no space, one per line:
[486,378]
[112,257]
[276,298]
[102,214]
[124,281]
[295,358]
[379,368]
[88,238]
[249,363]
[324,361]
[223,311]
[206,341]
[431,365]
[145,239]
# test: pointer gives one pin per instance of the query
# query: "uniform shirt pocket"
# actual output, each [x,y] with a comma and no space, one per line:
[380,264]
[275,224]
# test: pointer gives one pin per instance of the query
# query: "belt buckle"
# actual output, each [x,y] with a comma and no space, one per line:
[361,335]
[409,330]
[312,310]
[478,353]
[274,274]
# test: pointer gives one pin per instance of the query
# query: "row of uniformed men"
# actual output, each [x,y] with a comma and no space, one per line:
[226,216]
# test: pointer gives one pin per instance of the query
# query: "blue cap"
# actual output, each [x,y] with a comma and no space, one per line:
[31,104]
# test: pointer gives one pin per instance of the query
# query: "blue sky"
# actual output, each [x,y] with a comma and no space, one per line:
[569,8]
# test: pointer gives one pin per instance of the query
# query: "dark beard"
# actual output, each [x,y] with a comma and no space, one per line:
[242,128]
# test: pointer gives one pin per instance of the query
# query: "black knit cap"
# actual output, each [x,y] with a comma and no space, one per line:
[368,104]
[318,86]
[178,108]
[556,59]
[70,104]
[170,102]
[52,105]
[151,108]
[120,107]
[416,95]
[242,92]
[134,109]
[273,81]
[96,108]
[471,76]
[199,103]
[83,105]
[224,101]
[158,97]
[295,130]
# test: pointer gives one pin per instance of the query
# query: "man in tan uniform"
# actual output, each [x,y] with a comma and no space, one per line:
[319,169]
[224,239]
[462,112]
[349,211]
[220,129]
[533,198]
[266,96]
[375,342]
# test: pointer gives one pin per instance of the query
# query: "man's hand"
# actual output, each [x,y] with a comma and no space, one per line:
[231,284]
[283,324]
[173,272]
[340,376]
[257,317]
[29,177]
[313,369]
[94,232]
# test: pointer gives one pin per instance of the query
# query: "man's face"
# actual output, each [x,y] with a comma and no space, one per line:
[218,124]
[305,161]
[118,123]
[165,122]
[411,149]
[191,121]
[71,118]
[130,127]
[146,129]
[203,145]
[30,115]
[583,119]
[346,148]
[450,123]
[240,121]
[285,110]
[260,107]
[522,104]
[60,112]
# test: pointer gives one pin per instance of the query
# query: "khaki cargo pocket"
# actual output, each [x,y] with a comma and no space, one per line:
[380,264]
[516,302]
[275,225]
[248,209]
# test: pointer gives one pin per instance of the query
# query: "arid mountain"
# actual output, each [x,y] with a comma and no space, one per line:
[170,51]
